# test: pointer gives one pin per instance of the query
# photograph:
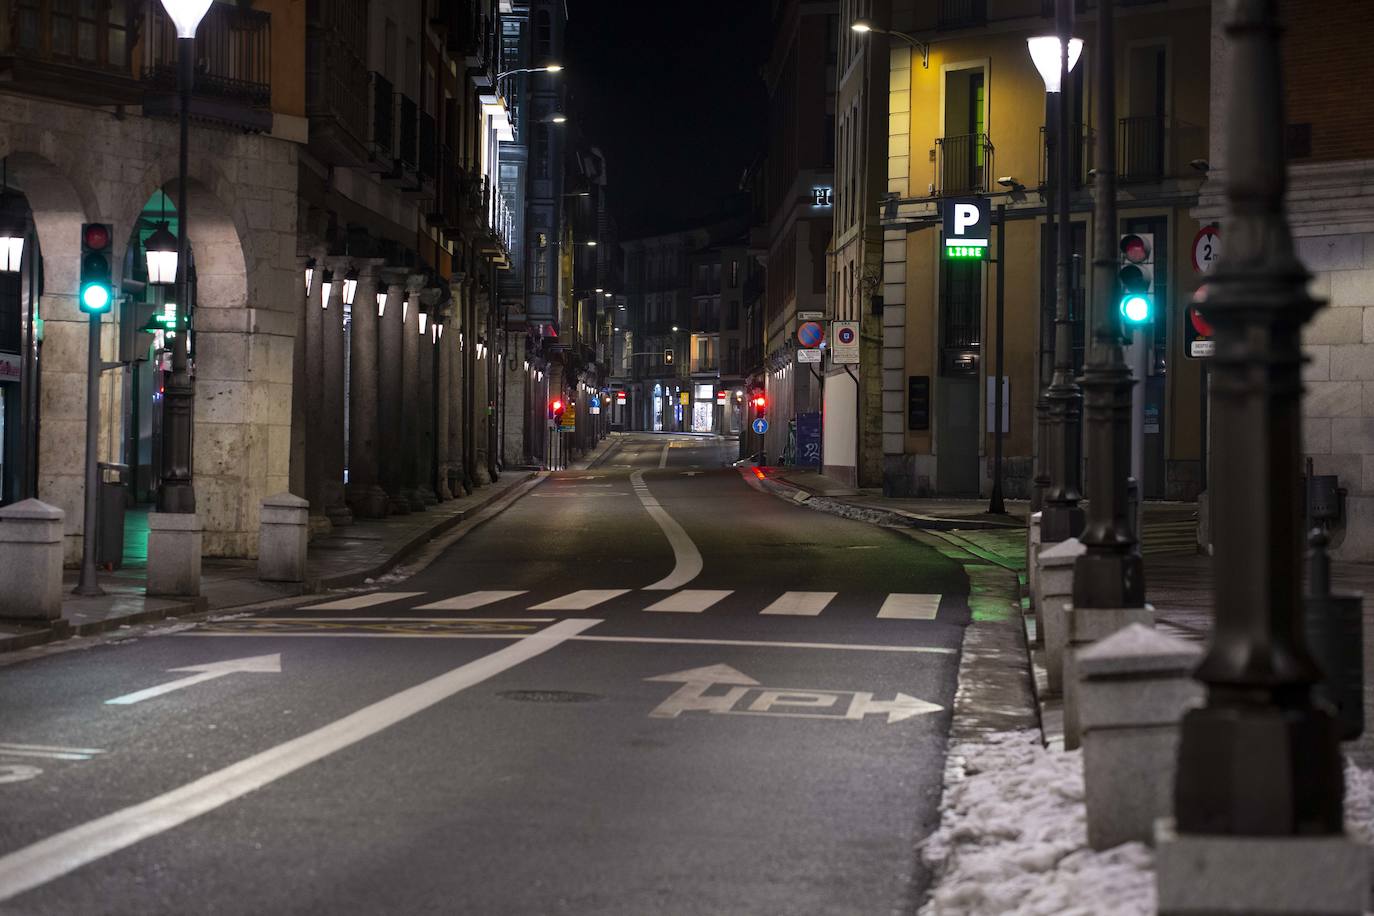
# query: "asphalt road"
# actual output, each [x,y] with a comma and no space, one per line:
[645,688]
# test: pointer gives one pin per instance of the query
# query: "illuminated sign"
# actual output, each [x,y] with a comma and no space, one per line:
[967,224]
[822,197]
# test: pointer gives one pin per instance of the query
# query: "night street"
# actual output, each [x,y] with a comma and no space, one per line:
[562,733]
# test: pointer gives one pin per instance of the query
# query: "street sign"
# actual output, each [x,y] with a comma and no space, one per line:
[968,225]
[810,334]
[620,397]
[810,316]
[1206,249]
[760,425]
[809,356]
[1197,334]
[744,696]
[844,342]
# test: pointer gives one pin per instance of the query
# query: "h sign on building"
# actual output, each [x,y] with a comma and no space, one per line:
[967,224]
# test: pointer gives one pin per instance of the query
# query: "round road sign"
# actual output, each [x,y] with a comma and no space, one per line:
[810,334]
[1206,249]
[760,426]
[845,335]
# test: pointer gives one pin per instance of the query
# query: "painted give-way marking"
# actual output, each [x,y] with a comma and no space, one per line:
[744,696]
[257,664]
[46,860]
[686,558]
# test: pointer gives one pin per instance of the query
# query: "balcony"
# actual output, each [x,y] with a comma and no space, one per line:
[962,164]
[61,53]
[337,83]
[1154,147]
[381,123]
[405,164]
[1082,138]
[428,149]
[234,64]
[962,14]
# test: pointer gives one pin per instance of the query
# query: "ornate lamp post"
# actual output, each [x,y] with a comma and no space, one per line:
[176,494]
[13,225]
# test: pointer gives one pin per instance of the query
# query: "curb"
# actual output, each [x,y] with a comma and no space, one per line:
[894,517]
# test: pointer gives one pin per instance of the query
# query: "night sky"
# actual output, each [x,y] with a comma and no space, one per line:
[672,93]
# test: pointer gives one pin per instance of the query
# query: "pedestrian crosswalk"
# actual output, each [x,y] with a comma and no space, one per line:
[891,606]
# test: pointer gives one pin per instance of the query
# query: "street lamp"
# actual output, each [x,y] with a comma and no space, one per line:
[1061,516]
[556,118]
[161,253]
[864,26]
[13,225]
[381,305]
[326,285]
[1045,52]
[547,68]
[350,287]
[309,275]
[176,494]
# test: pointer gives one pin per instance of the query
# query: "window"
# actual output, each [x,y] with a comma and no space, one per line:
[543,38]
[91,31]
[961,288]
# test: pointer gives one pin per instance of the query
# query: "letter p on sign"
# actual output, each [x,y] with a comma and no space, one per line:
[965,215]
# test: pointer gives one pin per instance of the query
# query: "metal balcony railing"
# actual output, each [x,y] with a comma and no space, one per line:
[429,147]
[233,53]
[407,133]
[1082,139]
[338,83]
[381,135]
[1140,144]
[960,14]
[962,163]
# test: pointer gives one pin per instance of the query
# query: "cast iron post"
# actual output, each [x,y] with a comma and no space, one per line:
[1062,518]
[1259,758]
[1110,574]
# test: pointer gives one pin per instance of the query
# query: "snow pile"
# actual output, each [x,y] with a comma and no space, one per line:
[1012,839]
[1359,803]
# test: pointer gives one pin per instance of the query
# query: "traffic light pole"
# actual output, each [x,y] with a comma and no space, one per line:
[90,521]
[176,493]
[997,505]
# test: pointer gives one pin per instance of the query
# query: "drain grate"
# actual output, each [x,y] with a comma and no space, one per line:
[550,696]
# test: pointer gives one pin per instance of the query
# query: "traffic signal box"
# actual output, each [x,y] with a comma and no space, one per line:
[668,356]
[96,292]
[1136,280]
[556,408]
[760,402]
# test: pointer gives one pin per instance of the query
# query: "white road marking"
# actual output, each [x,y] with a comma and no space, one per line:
[51,752]
[800,604]
[18,772]
[580,600]
[908,606]
[258,664]
[388,619]
[690,601]
[645,640]
[469,601]
[687,559]
[62,853]
[663,459]
[358,602]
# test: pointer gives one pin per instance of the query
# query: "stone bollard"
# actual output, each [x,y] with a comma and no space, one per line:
[1133,688]
[174,548]
[1055,581]
[283,538]
[1085,627]
[31,561]
[1033,574]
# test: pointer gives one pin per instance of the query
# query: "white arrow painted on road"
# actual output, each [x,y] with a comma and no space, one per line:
[692,696]
[257,664]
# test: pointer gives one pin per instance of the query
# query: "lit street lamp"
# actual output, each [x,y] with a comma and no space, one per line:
[176,494]
[161,253]
[13,225]
[864,26]
[350,287]
[1061,516]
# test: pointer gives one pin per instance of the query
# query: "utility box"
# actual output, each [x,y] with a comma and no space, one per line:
[114,495]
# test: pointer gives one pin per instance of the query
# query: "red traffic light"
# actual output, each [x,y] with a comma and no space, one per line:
[556,406]
[97,236]
[760,401]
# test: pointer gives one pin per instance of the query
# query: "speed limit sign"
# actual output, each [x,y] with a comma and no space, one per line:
[1206,249]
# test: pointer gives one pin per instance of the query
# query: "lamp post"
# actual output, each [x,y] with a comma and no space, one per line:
[1061,516]
[176,493]
[1110,573]
[13,225]
[865,26]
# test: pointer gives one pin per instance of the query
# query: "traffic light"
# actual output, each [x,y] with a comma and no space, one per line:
[1136,277]
[96,294]
[760,402]
[556,408]
[668,356]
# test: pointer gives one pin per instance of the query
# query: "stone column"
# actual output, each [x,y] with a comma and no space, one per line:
[481,397]
[443,370]
[469,384]
[424,415]
[365,496]
[313,383]
[332,395]
[453,336]
[515,402]
[300,393]
[390,401]
[409,441]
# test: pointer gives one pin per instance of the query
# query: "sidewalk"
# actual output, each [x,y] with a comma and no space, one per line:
[349,556]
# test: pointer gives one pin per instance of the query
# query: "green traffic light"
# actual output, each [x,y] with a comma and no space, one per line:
[95,297]
[1136,309]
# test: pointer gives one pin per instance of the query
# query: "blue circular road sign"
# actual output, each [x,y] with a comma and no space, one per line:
[760,426]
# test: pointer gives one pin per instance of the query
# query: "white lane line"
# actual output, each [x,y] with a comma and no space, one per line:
[686,558]
[46,860]
[646,640]
[469,601]
[48,751]
[690,600]
[909,606]
[663,459]
[580,600]
[800,604]
[358,602]
[381,619]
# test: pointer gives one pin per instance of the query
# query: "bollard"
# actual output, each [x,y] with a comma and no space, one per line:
[1133,688]
[31,562]
[283,538]
[174,554]
[1055,582]
[1335,635]
[1033,574]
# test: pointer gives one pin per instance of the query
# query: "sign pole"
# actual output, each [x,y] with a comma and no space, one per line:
[90,523]
[997,506]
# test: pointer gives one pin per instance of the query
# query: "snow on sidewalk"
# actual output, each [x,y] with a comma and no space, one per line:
[1013,841]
